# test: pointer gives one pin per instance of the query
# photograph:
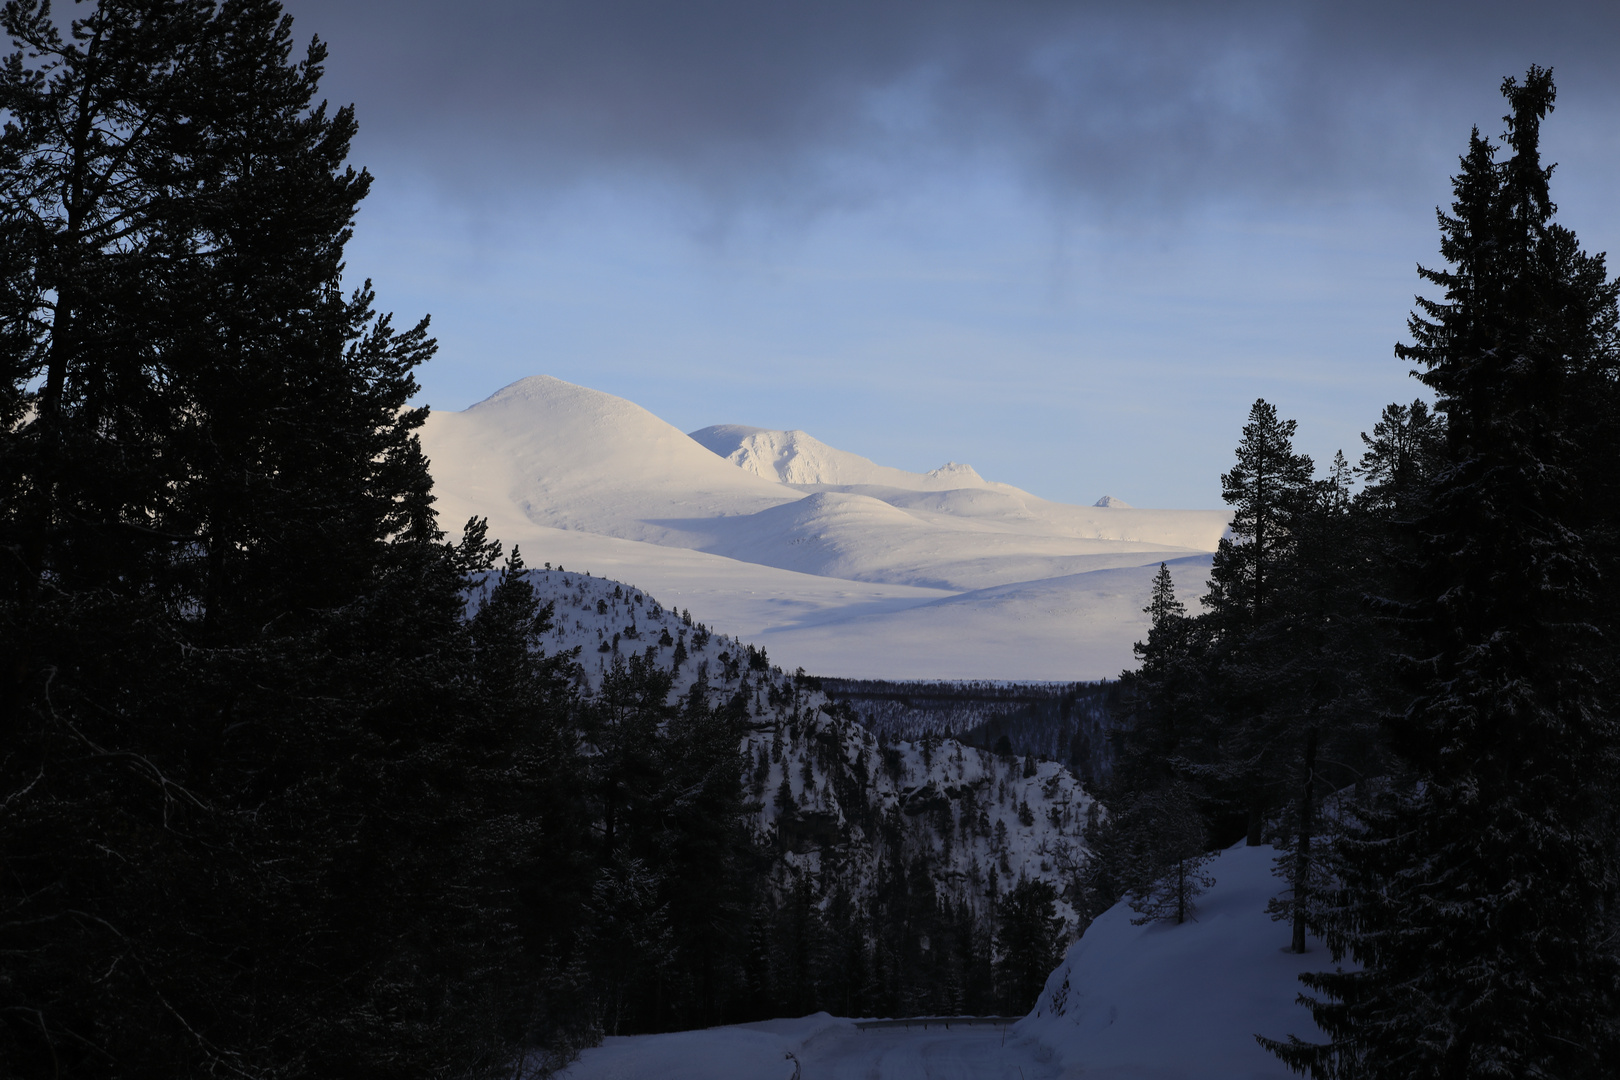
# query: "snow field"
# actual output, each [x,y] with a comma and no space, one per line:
[739,1052]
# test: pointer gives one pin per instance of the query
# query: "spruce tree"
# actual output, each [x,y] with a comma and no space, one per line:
[1477,893]
[1166,695]
[1319,648]
[1170,851]
[1166,738]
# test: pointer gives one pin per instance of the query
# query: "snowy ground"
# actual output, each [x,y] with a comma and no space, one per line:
[834,563]
[1156,1002]
[1166,1002]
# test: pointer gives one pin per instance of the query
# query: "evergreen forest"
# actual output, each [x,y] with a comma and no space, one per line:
[278,799]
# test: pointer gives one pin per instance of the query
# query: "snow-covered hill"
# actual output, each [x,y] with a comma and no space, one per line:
[823,556]
[825,785]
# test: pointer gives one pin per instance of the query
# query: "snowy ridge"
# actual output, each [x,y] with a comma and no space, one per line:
[979,820]
[800,459]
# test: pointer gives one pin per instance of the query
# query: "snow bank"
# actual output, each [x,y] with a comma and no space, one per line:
[1162,1001]
[740,1052]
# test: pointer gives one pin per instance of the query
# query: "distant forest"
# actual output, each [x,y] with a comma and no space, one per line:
[1068,722]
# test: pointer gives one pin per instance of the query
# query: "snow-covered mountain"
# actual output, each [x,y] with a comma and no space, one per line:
[830,794]
[831,561]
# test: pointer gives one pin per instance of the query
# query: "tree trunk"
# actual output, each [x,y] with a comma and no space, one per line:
[1302,852]
[1181,891]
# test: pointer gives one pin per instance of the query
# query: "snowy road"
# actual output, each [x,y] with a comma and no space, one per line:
[827,1048]
[914,1054]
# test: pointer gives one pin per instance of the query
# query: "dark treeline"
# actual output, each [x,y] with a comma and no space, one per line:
[1408,685]
[1067,722]
[273,802]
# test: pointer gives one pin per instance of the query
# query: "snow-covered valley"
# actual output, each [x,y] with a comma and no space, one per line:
[830,561]
[840,806]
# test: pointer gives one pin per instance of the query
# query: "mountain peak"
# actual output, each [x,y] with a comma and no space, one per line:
[957,472]
[1109,500]
[796,457]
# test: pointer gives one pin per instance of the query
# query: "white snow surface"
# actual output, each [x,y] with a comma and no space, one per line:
[824,556]
[1154,1002]
[1167,1002]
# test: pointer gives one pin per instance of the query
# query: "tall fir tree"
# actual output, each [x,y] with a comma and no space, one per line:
[1319,647]
[1477,895]
[1156,834]
[1269,488]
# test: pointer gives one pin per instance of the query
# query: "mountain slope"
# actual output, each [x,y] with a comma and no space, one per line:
[1081,623]
[843,808]
[1161,1001]
[571,458]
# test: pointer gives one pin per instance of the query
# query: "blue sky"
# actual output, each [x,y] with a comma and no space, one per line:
[1066,243]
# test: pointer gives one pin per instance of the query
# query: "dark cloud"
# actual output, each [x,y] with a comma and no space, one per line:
[768,98]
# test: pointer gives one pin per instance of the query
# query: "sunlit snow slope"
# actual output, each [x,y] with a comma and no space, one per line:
[836,563]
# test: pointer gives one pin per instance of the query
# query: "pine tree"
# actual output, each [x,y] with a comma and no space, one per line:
[1400,458]
[1269,488]
[1477,894]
